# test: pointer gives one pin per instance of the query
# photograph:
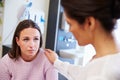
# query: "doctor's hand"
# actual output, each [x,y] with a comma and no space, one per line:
[51,55]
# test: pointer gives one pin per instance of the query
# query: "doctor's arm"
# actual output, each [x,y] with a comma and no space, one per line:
[66,69]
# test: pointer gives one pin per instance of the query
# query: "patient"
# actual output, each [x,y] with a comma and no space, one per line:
[26,59]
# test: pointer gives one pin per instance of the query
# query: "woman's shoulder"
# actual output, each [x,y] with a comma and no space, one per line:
[106,61]
[5,60]
[112,66]
[108,65]
[43,57]
[108,58]
[111,62]
[114,59]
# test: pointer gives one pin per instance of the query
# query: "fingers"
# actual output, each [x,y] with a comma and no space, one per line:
[51,55]
[48,50]
[47,53]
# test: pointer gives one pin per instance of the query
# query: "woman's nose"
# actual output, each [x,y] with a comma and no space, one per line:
[31,43]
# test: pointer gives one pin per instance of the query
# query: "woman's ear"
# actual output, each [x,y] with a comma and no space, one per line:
[90,23]
[17,40]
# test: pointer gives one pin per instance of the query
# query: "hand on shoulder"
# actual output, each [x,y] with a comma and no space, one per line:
[51,55]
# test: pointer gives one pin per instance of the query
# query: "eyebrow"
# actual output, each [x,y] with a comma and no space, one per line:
[28,36]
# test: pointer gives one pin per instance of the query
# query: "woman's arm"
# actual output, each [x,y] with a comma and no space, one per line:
[51,74]
[4,73]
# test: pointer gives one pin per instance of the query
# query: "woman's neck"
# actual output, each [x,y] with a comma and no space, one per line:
[105,46]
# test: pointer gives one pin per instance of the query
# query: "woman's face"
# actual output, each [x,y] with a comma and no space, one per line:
[28,42]
[79,31]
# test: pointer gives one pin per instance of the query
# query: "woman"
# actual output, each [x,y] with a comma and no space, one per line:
[26,59]
[92,22]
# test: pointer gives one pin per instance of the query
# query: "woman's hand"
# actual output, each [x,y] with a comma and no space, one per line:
[51,55]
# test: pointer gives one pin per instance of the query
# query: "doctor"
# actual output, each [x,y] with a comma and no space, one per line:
[92,22]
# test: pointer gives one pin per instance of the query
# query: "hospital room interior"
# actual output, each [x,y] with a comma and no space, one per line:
[48,14]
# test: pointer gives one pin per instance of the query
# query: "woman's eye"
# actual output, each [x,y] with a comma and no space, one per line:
[25,39]
[36,39]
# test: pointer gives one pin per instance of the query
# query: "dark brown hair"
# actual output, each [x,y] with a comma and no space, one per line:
[15,51]
[106,11]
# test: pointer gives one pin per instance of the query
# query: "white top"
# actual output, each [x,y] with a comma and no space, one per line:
[104,68]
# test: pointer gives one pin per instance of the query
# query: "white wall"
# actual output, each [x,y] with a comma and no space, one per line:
[117,33]
[11,11]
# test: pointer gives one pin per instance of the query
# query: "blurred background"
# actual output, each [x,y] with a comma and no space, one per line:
[48,14]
